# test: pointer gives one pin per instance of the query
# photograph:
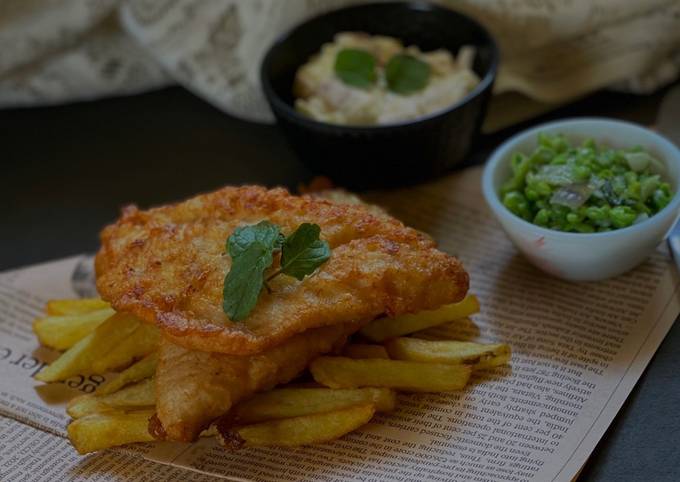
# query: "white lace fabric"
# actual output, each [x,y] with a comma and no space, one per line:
[58,51]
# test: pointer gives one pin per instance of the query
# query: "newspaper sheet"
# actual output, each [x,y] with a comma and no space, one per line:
[27,453]
[578,350]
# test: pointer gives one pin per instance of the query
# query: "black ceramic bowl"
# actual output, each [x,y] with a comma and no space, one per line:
[393,154]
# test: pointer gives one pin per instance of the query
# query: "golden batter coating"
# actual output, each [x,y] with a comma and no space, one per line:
[193,387]
[167,266]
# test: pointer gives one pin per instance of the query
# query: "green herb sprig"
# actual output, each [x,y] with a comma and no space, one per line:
[356,67]
[252,250]
[404,74]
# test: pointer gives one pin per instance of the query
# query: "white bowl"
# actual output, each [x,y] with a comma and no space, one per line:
[579,256]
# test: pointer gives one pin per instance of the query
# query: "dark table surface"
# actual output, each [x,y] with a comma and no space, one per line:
[66,171]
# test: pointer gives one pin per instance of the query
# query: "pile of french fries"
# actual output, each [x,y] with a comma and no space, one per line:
[387,355]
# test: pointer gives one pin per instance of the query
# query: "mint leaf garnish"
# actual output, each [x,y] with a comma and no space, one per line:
[406,74]
[252,251]
[264,232]
[303,251]
[356,68]
[244,281]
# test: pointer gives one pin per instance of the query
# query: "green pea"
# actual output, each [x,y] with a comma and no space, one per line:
[590,143]
[619,185]
[630,177]
[518,204]
[542,217]
[542,188]
[584,228]
[582,172]
[642,208]
[606,174]
[606,158]
[633,191]
[544,139]
[542,155]
[521,166]
[560,159]
[573,218]
[586,153]
[622,216]
[594,213]
[660,199]
[555,142]
[516,161]
[530,194]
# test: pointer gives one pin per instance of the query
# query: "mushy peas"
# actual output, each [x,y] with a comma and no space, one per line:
[585,188]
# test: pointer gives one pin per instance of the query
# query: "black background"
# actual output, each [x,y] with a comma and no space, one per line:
[67,170]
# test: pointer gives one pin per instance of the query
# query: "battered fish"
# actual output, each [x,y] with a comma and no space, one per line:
[193,388]
[167,266]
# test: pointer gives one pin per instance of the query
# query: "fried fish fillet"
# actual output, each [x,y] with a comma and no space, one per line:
[167,266]
[193,388]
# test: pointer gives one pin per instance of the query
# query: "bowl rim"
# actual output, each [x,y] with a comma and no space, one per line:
[485,83]
[502,152]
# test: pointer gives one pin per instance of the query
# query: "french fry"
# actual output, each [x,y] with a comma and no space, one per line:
[297,431]
[295,402]
[75,307]
[462,329]
[63,331]
[101,431]
[384,328]
[78,359]
[138,344]
[340,372]
[140,395]
[448,351]
[144,368]
[360,350]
